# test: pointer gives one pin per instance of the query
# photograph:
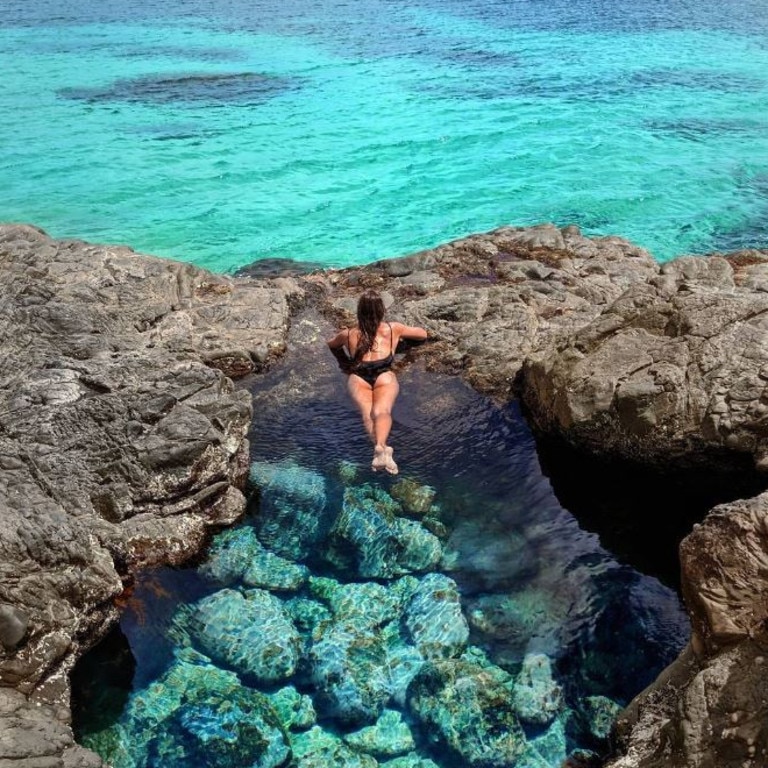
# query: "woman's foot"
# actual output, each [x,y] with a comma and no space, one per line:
[379,458]
[389,464]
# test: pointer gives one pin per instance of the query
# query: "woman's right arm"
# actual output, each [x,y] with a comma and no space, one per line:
[410,332]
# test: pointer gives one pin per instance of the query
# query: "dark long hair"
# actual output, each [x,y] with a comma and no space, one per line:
[370,313]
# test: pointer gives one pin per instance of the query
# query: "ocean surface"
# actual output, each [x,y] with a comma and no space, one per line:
[342,132]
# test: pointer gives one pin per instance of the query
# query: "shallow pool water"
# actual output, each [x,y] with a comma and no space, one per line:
[452,615]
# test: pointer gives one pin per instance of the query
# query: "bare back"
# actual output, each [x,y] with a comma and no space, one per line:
[384,344]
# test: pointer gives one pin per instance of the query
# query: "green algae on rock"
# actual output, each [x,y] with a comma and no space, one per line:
[249,631]
[196,714]
[469,712]
[293,500]
[237,555]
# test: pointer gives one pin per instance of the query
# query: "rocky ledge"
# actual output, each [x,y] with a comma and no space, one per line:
[122,436]
[121,443]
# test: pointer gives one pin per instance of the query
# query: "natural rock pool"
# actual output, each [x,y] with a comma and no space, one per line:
[453,615]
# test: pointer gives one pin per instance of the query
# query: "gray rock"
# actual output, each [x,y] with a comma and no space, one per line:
[13,626]
[709,707]
[672,372]
[122,439]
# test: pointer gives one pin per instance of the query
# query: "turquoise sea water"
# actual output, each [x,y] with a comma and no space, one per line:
[340,133]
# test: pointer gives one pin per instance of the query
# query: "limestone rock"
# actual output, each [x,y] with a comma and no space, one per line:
[724,562]
[122,439]
[695,714]
[490,299]
[673,371]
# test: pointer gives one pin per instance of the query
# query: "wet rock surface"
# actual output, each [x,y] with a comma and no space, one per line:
[122,438]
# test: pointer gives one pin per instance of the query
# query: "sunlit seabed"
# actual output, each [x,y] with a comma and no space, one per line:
[343,133]
[534,587]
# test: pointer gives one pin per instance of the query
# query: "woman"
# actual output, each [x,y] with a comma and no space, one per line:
[372,384]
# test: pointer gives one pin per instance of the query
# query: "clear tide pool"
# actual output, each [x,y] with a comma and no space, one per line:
[458,598]
[339,133]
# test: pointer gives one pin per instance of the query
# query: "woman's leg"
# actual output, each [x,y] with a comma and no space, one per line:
[361,393]
[385,392]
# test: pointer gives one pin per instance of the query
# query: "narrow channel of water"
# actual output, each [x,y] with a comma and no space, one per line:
[386,599]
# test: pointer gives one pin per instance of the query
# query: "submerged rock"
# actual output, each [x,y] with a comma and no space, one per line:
[537,698]
[291,519]
[369,540]
[196,714]
[388,737]
[295,710]
[237,556]
[321,749]
[415,498]
[411,760]
[463,707]
[434,619]
[347,671]
[249,631]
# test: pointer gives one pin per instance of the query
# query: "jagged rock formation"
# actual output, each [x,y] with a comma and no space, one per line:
[674,371]
[122,435]
[121,442]
[492,299]
[709,708]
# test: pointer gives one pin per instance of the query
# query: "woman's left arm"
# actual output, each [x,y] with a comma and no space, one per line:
[340,339]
